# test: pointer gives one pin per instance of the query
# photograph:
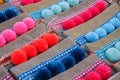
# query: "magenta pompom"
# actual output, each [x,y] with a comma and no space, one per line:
[94,10]
[2,41]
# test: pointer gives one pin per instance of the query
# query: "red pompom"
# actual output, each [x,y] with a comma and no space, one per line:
[40,44]
[101,5]
[86,15]
[30,50]
[93,76]
[104,71]
[25,2]
[78,19]
[36,1]
[81,79]
[18,56]
[51,38]
[68,24]
[94,10]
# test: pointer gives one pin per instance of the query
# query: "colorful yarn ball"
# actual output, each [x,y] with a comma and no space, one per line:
[112,54]
[94,10]
[18,57]
[108,27]
[56,9]
[78,20]
[29,22]
[101,32]
[30,51]
[9,35]
[2,41]
[25,2]
[68,24]
[46,13]
[40,44]
[3,17]
[104,71]
[115,22]
[101,5]
[11,13]
[64,5]
[93,76]
[51,38]
[117,45]
[20,28]
[92,36]
[73,2]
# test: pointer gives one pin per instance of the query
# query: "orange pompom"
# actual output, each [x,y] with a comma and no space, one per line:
[51,38]
[40,44]
[30,50]
[18,56]
[1,1]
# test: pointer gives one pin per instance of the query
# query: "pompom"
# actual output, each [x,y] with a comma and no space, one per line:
[30,50]
[73,2]
[118,15]
[40,44]
[20,28]
[86,15]
[36,1]
[103,71]
[78,20]
[25,2]
[2,41]
[92,36]
[51,38]
[56,67]
[29,22]
[93,76]
[81,79]
[10,13]
[46,13]
[18,57]
[3,17]
[108,27]
[117,45]
[64,5]
[101,32]
[68,24]
[115,22]
[68,62]
[9,35]
[94,10]
[113,54]
[78,54]
[1,1]
[101,5]
[56,9]
[43,74]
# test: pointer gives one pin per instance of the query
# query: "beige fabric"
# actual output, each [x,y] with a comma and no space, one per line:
[5,5]
[115,77]
[32,7]
[93,23]
[2,72]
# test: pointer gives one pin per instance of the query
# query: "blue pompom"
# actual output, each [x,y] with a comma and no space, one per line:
[101,32]
[42,74]
[10,13]
[115,22]
[56,9]
[92,36]
[78,54]
[118,15]
[108,27]
[117,45]
[113,54]
[68,62]
[56,67]
[3,17]
[46,13]
[73,2]
[64,5]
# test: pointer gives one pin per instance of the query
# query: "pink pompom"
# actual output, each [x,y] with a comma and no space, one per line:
[86,15]
[94,10]
[9,35]
[29,22]
[36,1]
[101,5]
[2,41]
[25,2]
[81,79]
[20,28]
[78,19]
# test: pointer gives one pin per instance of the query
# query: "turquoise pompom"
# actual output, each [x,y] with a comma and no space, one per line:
[73,2]
[118,15]
[113,54]
[46,13]
[92,36]
[117,45]
[56,9]
[101,32]
[64,5]
[115,22]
